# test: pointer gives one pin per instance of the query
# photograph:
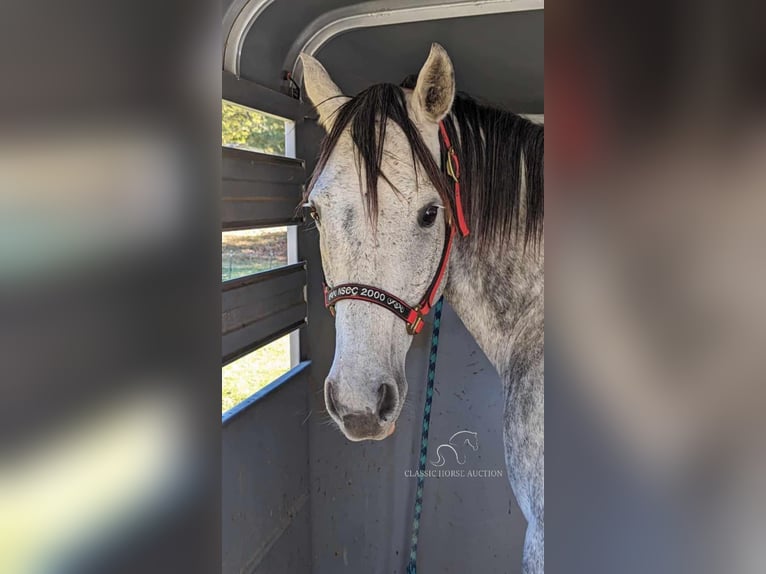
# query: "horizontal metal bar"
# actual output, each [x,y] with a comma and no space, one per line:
[260,190]
[260,308]
[241,164]
[270,275]
[252,95]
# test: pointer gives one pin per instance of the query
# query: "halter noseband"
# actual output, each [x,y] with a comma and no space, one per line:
[412,316]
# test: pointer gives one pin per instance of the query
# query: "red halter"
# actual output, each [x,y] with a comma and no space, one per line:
[412,316]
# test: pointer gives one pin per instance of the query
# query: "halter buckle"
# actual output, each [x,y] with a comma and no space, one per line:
[330,306]
[450,164]
[417,325]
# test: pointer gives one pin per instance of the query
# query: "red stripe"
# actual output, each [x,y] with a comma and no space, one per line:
[445,137]
[460,217]
[429,299]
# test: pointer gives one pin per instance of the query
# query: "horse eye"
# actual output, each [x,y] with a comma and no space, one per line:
[428,216]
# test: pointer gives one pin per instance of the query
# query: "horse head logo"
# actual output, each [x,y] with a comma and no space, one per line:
[456,444]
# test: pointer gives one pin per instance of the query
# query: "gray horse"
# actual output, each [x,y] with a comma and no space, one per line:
[386,211]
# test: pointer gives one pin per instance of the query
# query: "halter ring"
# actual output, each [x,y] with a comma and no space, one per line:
[450,167]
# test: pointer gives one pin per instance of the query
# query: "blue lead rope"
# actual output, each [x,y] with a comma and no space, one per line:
[412,565]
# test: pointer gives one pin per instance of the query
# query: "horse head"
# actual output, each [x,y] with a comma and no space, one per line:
[381,205]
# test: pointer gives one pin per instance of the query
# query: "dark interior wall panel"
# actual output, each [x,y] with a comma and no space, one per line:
[505,67]
[260,190]
[498,57]
[258,308]
[469,524]
[273,33]
[291,553]
[265,509]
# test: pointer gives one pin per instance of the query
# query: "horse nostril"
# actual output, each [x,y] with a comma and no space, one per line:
[386,400]
[332,408]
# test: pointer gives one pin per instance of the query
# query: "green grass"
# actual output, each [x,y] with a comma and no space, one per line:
[251,251]
[254,371]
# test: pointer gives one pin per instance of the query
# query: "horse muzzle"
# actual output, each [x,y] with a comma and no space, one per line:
[360,421]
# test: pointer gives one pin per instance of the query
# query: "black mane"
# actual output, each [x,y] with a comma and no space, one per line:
[493,147]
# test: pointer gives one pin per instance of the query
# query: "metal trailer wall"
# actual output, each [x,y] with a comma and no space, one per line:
[265,518]
[299,497]
[265,521]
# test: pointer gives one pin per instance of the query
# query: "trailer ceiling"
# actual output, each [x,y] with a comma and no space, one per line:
[498,56]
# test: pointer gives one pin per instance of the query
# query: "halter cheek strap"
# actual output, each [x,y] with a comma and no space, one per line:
[412,316]
[453,170]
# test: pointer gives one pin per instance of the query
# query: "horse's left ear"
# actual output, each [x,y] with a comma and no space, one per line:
[435,88]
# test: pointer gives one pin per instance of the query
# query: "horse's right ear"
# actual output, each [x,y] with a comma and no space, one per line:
[321,90]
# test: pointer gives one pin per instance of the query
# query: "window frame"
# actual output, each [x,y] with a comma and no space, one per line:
[292,240]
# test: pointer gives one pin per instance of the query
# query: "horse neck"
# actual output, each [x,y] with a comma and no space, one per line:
[498,294]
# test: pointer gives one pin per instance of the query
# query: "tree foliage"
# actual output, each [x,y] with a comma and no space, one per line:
[242,127]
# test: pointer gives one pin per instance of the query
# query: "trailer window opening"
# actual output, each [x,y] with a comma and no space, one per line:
[254,250]
[246,128]
[247,375]
[246,252]
[249,251]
